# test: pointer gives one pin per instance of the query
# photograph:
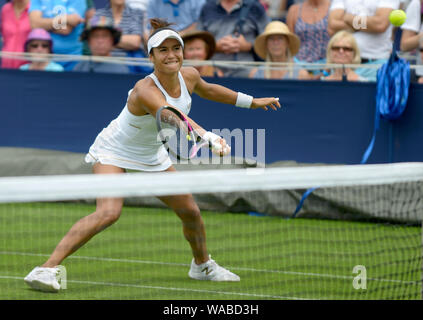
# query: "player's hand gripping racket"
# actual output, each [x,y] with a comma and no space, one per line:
[180,139]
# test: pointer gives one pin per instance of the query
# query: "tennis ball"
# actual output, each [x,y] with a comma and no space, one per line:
[397,17]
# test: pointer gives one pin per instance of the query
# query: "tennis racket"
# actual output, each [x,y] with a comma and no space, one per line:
[177,134]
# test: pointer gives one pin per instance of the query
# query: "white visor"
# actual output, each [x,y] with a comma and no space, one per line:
[158,38]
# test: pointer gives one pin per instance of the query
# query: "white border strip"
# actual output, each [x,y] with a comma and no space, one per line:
[117,284]
[186,265]
[71,187]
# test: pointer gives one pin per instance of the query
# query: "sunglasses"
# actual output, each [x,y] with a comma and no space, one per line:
[36,45]
[345,49]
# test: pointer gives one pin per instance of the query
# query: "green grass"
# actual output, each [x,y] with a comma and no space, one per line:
[144,256]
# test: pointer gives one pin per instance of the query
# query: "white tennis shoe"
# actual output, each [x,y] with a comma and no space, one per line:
[210,270]
[43,279]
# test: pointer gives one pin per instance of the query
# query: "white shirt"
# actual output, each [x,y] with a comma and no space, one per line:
[371,45]
[413,22]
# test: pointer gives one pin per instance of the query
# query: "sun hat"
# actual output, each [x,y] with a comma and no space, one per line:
[206,36]
[101,22]
[38,34]
[276,28]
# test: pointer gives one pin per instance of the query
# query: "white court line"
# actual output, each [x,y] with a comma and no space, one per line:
[321,275]
[115,284]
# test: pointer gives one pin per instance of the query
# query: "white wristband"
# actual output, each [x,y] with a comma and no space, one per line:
[243,100]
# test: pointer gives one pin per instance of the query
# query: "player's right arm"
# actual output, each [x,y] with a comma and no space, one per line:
[146,98]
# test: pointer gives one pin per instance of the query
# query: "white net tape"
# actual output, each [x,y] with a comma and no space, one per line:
[68,187]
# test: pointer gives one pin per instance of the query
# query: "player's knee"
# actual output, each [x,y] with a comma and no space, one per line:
[109,215]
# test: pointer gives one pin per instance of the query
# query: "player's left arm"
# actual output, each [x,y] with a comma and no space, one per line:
[219,93]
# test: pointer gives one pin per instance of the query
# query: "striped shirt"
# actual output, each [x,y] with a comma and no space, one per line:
[215,19]
[132,22]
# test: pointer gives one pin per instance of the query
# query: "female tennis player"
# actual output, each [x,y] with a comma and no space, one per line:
[130,142]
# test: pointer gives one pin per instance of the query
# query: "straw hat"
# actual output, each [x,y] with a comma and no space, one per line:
[276,27]
[204,35]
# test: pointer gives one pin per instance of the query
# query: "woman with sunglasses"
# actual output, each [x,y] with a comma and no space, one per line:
[343,50]
[39,43]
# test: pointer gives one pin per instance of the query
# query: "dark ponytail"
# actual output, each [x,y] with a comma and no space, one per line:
[159,24]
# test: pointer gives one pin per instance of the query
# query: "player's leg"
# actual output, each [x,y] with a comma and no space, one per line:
[192,223]
[107,212]
[202,266]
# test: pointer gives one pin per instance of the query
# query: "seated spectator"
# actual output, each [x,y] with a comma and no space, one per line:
[234,40]
[343,49]
[277,44]
[309,21]
[412,29]
[14,29]
[201,45]
[183,14]
[369,21]
[64,20]
[101,36]
[39,41]
[131,23]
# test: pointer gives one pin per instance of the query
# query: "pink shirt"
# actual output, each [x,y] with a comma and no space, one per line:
[15,31]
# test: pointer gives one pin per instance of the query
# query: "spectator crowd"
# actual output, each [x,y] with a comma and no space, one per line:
[289,36]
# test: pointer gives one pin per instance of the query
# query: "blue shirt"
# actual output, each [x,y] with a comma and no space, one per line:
[68,44]
[183,14]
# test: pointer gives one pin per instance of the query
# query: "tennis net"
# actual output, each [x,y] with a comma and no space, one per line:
[358,235]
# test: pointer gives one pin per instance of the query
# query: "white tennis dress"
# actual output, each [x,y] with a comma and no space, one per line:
[131,142]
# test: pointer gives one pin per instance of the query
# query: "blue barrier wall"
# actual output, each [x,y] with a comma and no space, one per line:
[320,121]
